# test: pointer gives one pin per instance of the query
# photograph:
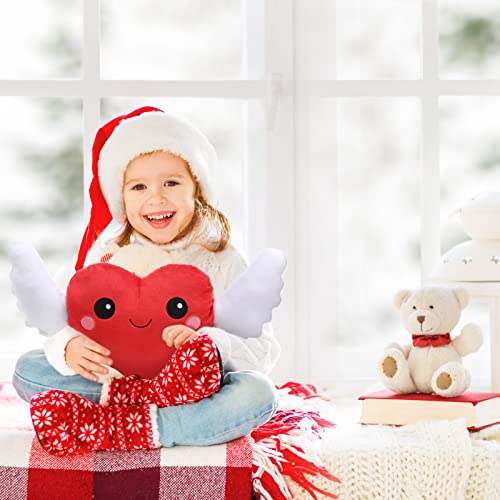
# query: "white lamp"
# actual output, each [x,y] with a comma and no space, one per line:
[475,264]
[479,258]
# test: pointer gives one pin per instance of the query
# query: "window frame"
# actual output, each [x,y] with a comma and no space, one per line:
[266,135]
[275,91]
[428,89]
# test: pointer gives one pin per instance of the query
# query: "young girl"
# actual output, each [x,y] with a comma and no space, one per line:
[151,173]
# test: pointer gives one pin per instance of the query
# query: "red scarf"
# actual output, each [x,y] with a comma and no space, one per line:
[436,340]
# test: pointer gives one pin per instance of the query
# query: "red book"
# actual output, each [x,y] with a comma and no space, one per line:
[480,409]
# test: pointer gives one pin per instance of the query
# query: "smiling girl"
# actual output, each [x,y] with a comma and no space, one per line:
[152,174]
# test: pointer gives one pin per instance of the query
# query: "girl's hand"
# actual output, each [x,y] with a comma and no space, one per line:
[84,355]
[176,335]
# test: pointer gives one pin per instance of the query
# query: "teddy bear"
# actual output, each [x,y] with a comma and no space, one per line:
[432,363]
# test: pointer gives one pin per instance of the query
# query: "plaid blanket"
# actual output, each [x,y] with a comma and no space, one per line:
[28,472]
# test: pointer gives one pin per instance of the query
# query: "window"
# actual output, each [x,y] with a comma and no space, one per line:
[347,132]
[396,127]
[42,196]
[194,62]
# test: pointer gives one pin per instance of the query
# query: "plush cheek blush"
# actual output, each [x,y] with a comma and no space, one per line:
[88,323]
[193,322]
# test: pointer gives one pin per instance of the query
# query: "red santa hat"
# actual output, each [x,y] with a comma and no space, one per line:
[126,137]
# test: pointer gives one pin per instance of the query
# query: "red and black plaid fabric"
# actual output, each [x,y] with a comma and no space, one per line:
[215,472]
[183,472]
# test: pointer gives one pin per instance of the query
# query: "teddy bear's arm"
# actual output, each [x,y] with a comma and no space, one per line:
[469,340]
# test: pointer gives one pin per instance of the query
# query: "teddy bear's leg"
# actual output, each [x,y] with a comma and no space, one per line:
[450,380]
[395,373]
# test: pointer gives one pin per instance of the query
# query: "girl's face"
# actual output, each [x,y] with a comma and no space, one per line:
[158,193]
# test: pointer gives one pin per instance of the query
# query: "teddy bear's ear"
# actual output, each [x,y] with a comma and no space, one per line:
[462,296]
[401,297]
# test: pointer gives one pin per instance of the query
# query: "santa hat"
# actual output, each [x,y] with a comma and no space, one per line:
[124,138]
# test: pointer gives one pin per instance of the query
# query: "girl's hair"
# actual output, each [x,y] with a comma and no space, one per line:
[203,212]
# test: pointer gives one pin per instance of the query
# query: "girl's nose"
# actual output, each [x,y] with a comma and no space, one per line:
[156,195]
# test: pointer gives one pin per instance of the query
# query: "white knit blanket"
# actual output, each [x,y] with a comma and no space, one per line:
[428,460]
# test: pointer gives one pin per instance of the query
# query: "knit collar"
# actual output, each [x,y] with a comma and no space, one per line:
[202,232]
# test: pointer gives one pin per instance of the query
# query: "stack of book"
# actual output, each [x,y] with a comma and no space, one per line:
[480,409]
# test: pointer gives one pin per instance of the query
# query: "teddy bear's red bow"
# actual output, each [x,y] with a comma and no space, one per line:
[433,340]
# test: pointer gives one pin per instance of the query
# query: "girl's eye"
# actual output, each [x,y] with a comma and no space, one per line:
[170,183]
[431,307]
[139,187]
[415,307]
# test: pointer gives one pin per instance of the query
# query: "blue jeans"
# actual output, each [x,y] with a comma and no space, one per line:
[245,400]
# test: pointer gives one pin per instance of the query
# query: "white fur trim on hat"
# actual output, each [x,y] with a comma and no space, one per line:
[152,131]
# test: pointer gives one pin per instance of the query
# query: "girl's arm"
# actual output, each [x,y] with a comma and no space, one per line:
[238,353]
[55,346]
[55,349]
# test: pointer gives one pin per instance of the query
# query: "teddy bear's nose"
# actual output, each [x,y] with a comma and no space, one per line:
[420,319]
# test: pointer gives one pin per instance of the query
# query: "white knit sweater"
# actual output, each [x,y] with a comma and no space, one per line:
[260,353]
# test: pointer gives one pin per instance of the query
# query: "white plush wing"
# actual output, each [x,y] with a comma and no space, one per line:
[38,298]
[245,306]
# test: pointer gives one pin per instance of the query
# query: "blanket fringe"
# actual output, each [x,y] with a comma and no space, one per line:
[288,445]
[304,391]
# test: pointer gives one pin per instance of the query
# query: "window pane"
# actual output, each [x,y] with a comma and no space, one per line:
[221,121]
[372,248]
[41,203]
[378,40]
[186,39]
[469,39]
[41,39]
[469,157]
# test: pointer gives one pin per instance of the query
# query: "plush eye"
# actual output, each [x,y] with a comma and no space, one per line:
[177,308]
[431,307]
[415,308]
[104,308]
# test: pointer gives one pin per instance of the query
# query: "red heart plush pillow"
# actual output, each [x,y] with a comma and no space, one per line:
[127,314]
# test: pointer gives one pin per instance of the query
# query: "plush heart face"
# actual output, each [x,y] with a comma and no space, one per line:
[127,314]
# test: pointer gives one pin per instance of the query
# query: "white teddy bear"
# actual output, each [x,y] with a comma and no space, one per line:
[433,362]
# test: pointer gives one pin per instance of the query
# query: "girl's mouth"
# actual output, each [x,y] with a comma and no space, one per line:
[159,220]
